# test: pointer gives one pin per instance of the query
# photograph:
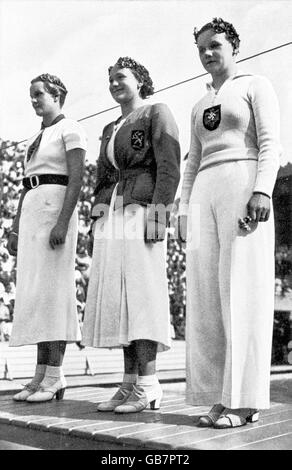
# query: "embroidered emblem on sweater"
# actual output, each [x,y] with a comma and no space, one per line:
[212,117]
[138,140]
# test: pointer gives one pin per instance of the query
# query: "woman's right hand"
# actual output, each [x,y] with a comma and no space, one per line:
[12,243]
[182,223]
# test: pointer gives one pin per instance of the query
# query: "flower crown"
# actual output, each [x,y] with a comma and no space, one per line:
[139,71]
[46,77]
[220,26]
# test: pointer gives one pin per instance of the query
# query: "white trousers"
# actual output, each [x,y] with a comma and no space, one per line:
[230,292]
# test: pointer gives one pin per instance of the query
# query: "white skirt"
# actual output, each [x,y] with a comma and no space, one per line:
[45,303]
[127,295]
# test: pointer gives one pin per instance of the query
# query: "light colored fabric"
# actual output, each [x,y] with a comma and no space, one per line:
[147,381]
[127,296]
[50,157]
[230,292]
[111,143]
[45,303]
[249,129]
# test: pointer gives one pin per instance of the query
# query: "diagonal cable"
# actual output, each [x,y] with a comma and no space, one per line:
[167,87]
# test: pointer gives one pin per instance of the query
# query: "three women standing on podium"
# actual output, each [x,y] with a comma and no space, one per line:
[228,182]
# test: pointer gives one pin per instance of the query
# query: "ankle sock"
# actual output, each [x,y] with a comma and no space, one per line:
[53,374]
[147,381]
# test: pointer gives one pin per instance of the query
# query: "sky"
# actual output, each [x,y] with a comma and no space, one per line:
[78,40]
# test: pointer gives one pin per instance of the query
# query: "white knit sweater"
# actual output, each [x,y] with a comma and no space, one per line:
[249,129]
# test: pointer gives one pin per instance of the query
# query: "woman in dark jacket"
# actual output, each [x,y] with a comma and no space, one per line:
[137,177]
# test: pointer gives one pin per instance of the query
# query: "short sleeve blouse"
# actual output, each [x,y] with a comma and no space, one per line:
[50,157]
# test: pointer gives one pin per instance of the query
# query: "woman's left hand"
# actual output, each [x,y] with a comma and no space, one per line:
[154,232]
[258,207]
[58,235]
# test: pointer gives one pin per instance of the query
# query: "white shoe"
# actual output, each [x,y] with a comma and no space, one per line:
[53,385]
[29,389]
[140,399]
[120,397]
[33,385]
[48,393]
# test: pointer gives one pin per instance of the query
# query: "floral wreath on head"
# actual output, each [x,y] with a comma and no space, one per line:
[53,79]
[53,85]
[220,26]
[140,72]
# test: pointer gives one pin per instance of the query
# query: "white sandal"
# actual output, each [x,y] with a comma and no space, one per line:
[232,420]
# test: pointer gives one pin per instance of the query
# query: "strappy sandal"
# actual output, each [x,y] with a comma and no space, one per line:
[231,420]
[208,420]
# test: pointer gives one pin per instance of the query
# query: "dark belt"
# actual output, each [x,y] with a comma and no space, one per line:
[33,181]
[133,172]
[112,177]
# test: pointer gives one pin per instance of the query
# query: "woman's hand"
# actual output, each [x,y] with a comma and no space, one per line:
[259,207]
[58,235]
[154,231]
[12,243]
[182,224]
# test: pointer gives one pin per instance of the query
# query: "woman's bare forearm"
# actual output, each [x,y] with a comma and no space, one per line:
[70,200]
[75,163]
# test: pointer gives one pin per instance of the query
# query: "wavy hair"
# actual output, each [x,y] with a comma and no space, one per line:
[52,85]
[140,72]
[220,26]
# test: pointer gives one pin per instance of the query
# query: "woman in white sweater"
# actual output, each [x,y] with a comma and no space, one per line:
[226,217]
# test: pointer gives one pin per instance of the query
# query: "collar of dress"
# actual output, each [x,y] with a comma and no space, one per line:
[238,73]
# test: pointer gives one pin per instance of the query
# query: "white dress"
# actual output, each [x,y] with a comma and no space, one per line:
[45,303]
[127,296]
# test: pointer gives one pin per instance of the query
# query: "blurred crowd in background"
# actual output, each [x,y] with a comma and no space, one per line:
[11,174]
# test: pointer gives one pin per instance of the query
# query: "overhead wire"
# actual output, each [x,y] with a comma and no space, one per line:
[15,144]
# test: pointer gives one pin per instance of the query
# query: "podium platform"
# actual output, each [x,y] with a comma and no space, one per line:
[74,424]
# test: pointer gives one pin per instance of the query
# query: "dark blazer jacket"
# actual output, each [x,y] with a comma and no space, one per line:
[147,153]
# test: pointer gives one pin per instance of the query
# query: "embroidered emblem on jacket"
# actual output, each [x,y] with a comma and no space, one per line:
[138,140]
[212,117]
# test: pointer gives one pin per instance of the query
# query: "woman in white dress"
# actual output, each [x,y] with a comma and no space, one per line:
[227,218]
[44,239]
[137,176]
